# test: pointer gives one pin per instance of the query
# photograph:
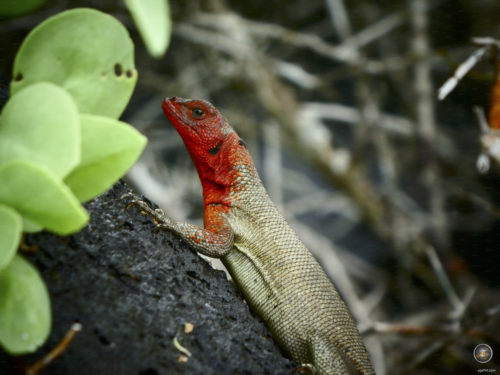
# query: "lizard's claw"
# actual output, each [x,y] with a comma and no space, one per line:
[134,199]
[161,221]
[140,204]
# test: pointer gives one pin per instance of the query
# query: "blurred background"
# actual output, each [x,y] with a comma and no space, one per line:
[337,102]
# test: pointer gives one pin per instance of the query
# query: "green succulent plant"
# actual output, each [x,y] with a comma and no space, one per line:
[61,144]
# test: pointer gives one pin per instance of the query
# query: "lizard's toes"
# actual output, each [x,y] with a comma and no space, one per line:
[132,198]
[142,206]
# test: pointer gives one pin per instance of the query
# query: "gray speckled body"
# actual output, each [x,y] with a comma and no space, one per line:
[285,285]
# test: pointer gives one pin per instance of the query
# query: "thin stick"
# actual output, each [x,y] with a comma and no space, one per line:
[56,351]
[443,279]
[461,71]
[426,117]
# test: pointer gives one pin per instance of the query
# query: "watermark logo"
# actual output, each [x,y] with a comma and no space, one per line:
[483,353]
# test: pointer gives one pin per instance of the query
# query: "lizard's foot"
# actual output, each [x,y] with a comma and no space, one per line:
[162,221]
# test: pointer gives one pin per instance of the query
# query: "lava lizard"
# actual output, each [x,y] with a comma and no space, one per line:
[278,276]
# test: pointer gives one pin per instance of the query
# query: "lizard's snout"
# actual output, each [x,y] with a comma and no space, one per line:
[176,99]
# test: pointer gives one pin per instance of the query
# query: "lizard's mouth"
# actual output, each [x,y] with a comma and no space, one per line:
[171,110]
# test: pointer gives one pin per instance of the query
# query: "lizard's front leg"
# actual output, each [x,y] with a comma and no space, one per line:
[215,240]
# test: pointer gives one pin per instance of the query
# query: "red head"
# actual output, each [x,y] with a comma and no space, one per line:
[202,128]
[210,140]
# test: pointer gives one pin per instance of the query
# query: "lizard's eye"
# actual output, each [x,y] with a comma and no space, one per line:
[197,113]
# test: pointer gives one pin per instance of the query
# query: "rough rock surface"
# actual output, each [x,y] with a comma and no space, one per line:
[133,291]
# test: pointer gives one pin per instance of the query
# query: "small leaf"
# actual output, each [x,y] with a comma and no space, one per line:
[41,124]
[25,318]
[10,234]
[18,7]
[40,197]
[87,52]
[109,149]
[152,18]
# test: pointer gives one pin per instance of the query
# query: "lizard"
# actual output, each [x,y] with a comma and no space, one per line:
[278,276]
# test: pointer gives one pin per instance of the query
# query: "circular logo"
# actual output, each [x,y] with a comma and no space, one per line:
[483,353]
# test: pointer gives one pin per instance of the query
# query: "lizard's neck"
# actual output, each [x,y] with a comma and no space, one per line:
[222,174]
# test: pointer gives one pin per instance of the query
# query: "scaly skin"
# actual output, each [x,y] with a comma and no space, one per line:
[279,278]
